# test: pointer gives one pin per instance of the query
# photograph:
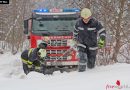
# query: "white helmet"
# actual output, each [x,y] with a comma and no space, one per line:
[42,53]
[85,13]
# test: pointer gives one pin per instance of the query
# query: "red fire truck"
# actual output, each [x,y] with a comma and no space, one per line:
[55,26]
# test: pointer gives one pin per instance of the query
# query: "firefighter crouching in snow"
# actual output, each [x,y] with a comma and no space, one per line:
[85,34]
[31,58]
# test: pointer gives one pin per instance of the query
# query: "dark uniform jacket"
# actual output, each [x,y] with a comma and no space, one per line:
[86,34]
[30,55]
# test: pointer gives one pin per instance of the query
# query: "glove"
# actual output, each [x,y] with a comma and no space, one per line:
[75,41]
[101,43]
[36,63]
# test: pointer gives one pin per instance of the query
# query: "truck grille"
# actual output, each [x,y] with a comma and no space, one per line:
[62,42]
[56,52]
[56,58]
[57,43]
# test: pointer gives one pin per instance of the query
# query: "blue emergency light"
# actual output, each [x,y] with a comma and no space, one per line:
[71,10]
[41,10]
[57,10]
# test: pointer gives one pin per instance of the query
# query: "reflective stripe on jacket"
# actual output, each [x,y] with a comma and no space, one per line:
[86,34]
[25,56]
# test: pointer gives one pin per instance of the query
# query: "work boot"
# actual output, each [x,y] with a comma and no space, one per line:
[26,69]
[91,64]
[82,61]
[82,68]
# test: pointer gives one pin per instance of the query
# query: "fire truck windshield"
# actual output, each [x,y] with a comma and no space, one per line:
[53,25]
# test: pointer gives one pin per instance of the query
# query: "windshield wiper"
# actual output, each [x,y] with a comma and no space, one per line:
[63,30]
[47,33]
[40,30]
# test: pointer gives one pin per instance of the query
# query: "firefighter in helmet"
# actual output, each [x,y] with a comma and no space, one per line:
[31,58]
[85,34]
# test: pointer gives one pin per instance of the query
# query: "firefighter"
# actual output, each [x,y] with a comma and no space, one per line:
[31,58]
[86,31]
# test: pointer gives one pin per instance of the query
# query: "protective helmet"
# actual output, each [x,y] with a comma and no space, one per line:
[42,53]
[42,45]
[85,13]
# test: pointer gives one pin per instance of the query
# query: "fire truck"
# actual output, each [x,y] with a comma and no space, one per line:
[56,27]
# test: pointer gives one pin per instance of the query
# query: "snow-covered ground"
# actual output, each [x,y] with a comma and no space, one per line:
[111,77]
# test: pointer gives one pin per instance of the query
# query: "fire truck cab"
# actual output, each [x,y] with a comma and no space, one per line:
[56,27]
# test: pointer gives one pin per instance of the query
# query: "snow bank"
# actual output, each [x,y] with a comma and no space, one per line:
[10,65]
[99,78]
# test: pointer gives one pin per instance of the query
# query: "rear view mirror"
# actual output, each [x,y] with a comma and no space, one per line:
[25,26]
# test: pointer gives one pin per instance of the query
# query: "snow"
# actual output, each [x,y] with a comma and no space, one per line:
[99,78]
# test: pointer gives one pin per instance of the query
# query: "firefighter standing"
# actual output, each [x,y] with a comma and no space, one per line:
[85,34]
[31,58]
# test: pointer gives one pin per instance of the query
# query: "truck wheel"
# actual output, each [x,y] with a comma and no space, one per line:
[50,71]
